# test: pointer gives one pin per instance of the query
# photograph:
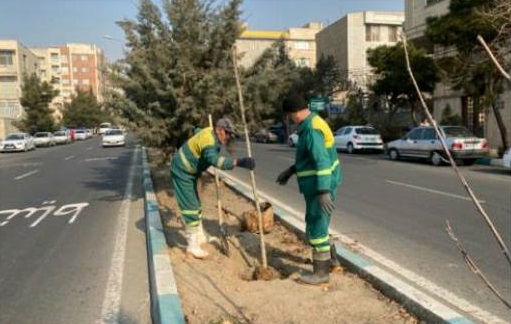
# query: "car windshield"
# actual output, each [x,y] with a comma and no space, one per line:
[14,137]
[366,131]
[60,133]
[114,132]
[41,135]
[456,131]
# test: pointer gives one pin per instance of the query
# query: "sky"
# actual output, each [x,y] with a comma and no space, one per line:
[40,23]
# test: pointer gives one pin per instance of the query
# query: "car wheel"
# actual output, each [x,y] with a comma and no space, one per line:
[350,148]
[436,159]
[394,155]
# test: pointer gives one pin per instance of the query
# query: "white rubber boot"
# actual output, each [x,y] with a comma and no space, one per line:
[194,248]
[203,236]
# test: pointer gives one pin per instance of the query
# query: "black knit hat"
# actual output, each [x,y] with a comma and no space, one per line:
[293,103]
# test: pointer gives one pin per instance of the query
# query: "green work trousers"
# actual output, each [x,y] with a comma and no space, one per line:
[317,223]
[187,195]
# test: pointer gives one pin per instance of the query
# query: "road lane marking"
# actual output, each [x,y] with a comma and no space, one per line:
[101,159]
[69,157]
[26,174]
[438,192]
[111,309]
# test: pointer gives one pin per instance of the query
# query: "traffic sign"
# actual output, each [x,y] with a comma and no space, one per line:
[317,104]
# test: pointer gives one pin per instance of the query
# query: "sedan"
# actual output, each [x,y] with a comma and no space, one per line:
[113,137]
[358,138]
[265,136]
[423,143]
[44,139]
[17,142]
[62,137]
[80,135]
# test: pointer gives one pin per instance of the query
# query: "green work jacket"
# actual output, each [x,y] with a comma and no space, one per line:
[200,152]
[317,166]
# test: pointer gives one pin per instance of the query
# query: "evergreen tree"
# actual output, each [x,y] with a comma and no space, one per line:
[393,81]
[470,69]
[83,111]
[35,99]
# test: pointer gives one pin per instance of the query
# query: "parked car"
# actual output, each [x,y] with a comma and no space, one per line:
[17,142]
[358,138]
[103,127]
[422,143]
[80,134]
[44,139]
[62,137]
[265,136]
[113,137]
[293,139]
[506,158]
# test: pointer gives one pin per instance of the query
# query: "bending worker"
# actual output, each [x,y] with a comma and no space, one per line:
[195,156]
[319,176]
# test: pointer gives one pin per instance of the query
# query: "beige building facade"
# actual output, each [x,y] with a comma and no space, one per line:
[67,67]
[300,43]
[482,123]
[349,38]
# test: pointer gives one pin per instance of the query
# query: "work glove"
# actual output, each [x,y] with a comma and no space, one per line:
[284,176]
[326,203]
[246,162]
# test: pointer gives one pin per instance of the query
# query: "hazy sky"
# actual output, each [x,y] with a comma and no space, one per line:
[53,22]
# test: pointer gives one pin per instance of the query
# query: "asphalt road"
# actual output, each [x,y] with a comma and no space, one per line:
[72,240]
[399,209]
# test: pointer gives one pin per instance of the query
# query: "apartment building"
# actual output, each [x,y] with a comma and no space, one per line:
[15,61]
[482,123]
[300,42]
[349,38]
[67,67]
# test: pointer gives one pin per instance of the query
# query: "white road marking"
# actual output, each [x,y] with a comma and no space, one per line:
[101,159]
[111,310]
[69,157]
[26,174]
[443,193]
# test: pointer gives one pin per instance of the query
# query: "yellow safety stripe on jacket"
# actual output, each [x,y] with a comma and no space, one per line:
[190,212]
[322,248]
[193,224]
[320,172]
[319,240]
[199,141]
[220,161]
[320,124]
[186,163]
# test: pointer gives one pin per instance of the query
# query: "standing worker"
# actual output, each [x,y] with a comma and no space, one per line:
[199,153]
[319,176]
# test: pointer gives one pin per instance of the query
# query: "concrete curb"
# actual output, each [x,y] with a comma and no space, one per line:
[489,161]
[165,301]
[413,300]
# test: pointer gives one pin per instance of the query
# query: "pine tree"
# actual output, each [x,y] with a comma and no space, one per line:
[83,111]
[35,99]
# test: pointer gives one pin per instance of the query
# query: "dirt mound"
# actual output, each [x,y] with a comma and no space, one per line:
[236,289]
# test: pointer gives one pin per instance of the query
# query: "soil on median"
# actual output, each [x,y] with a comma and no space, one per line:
[222,289]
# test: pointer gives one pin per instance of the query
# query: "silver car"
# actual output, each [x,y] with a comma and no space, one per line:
[358,138]
[44,139]
[422,143]
[17,142]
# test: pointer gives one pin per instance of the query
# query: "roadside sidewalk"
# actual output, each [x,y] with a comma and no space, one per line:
[490,161]
[165,300]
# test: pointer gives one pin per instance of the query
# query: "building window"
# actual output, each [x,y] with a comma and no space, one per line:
[85,70]
[63,59]
[392,34]
[65,70]
[301,45]
[432,2]
[302,62]
[65,81]
[85,82]
[372,33]
[55,70]
[54,58]
[6,57]
[8,78]
[84,57]
[75,81]
[75,69]
[76,57]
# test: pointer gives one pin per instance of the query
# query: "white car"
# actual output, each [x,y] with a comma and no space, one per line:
[113,137]
[44,139]
[358,138]
[17,142]
[80,134]
[506,158]
[62,137]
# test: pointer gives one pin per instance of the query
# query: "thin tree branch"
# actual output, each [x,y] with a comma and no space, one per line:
[490,54]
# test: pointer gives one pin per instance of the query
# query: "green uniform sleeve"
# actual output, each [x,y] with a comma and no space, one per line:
[320,158]
[213,157]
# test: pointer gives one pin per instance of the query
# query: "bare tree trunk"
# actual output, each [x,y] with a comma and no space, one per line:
[501,125]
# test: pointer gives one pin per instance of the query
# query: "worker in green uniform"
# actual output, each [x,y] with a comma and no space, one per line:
[200,152]
[319,175]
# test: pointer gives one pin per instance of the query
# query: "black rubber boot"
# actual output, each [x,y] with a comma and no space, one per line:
[321,273]
[334,261]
